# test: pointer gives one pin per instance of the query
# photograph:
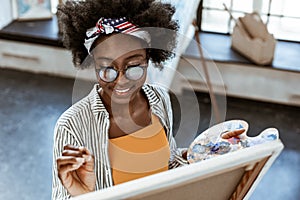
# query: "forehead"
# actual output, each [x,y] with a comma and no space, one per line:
[118,45]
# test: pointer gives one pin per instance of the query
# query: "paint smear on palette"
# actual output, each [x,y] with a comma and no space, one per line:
[210,143]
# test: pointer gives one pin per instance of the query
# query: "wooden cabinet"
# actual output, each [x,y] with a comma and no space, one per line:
[36,58]
[240,80]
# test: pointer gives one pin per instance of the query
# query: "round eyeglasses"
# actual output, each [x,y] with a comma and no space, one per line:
[110,74]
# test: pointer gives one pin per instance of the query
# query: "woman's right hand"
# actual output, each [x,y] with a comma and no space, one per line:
[76,170]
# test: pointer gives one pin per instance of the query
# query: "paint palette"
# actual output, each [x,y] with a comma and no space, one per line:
[226,137]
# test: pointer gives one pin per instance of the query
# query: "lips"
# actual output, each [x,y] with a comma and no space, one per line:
[123,91]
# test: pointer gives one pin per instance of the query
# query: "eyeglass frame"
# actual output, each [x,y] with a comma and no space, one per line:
[143,66]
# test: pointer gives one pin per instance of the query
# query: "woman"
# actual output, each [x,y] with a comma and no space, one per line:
[122,130]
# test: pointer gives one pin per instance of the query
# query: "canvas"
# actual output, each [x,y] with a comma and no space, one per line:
[33,9]
[233,174]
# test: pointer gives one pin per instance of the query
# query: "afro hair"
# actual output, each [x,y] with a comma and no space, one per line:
[77,16]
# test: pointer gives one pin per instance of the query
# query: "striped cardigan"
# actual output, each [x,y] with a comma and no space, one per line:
[86,123]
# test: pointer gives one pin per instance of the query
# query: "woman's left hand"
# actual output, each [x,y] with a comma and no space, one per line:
[184,154]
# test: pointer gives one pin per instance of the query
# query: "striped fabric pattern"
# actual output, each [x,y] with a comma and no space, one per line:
[106,26]
[109,25]
[86,123]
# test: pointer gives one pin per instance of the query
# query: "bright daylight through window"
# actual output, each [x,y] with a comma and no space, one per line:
[279,15]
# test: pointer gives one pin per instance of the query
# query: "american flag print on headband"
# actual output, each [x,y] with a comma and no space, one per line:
[108,25]
[123,26]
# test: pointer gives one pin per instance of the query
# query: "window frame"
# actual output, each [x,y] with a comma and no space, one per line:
[266,16]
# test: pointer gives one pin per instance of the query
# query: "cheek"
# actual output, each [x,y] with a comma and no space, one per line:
[139,83]
[107,87]
[143,79]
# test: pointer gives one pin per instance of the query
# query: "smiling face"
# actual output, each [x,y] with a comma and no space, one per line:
[125,57]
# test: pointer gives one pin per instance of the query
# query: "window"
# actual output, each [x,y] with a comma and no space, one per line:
[282,17]
[54,4]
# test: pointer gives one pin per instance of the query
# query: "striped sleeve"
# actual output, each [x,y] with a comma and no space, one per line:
[62,137]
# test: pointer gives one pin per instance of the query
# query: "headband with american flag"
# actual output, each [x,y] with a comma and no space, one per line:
[106,26]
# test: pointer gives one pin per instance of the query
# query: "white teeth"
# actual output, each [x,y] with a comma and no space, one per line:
[122,91]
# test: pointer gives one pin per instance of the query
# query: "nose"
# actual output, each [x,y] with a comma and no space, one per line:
[122,80]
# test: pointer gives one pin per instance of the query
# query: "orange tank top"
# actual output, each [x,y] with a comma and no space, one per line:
[139,154]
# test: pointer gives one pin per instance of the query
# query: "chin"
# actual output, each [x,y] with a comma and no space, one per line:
[123,96]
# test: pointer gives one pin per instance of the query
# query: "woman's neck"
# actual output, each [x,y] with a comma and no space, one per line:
[128,118]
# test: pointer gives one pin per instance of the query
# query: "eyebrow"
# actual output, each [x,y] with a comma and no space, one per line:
[130,57]
[135,56]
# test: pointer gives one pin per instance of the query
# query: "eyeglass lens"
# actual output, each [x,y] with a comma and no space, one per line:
[109,74]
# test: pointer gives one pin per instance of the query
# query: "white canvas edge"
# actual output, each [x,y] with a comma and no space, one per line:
[192,172]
